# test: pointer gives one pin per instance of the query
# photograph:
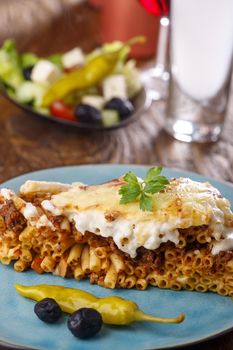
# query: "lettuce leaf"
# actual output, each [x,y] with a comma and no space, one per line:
[28,59]
[56,59]
[10,67]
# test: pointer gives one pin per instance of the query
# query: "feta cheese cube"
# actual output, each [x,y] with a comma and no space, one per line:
[94,101]
[114,86]
[45,72]
[72,58]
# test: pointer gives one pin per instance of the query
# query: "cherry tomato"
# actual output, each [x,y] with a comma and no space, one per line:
[70,70]
[60,110]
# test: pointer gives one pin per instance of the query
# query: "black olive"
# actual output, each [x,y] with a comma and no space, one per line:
[87,114]
[48,310]
[27,72]
[123,107]
[84,323]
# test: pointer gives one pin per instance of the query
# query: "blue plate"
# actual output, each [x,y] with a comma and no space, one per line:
[207,315]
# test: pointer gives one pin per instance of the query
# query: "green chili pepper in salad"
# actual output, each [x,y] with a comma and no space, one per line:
[114,310]
[91,74]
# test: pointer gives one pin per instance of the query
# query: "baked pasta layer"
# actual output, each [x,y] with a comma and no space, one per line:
[82,231]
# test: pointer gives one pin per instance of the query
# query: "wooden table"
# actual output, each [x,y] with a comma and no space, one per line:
[29,144]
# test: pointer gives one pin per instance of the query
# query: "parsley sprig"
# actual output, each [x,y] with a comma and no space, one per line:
[142,190]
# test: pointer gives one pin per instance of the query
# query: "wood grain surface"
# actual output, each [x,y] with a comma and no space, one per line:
[29,144]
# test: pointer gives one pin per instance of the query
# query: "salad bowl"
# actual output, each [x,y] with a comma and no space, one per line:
[100,90]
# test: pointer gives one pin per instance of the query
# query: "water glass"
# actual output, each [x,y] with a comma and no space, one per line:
[200,60]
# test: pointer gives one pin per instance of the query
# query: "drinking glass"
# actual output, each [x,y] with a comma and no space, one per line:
[201,50]
[156,78]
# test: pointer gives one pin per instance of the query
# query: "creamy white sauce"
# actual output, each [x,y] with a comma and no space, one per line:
[217,222]
[224,244]
[47,205]
[128,235]
[29,211]
[31,214]
[44,222]
[6,193]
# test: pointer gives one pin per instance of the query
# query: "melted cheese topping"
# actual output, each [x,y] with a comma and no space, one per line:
[185,203]
[30,187]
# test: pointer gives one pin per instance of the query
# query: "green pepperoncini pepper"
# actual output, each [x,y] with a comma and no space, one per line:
[114,310]
[88,75]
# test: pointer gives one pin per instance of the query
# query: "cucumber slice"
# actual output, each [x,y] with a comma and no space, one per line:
[30,92]
[110,117]
[42,110]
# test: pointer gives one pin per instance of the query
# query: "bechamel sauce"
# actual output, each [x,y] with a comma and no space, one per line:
[134,228]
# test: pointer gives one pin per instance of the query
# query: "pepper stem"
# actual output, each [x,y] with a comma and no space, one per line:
[141,316]
[140,39]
